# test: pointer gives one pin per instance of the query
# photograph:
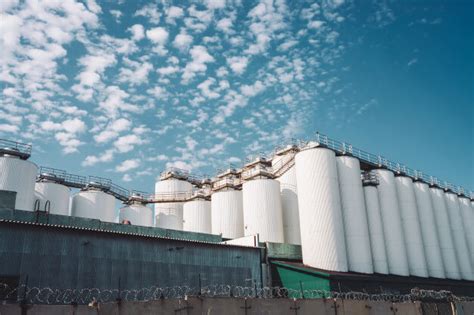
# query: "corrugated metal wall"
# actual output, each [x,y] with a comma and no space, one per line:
[67,258]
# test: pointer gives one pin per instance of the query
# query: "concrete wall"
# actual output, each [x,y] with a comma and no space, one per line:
[233,306]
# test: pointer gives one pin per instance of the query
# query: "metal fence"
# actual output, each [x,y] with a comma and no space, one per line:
[34,295]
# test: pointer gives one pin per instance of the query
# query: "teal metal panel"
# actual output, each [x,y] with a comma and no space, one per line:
[59,257]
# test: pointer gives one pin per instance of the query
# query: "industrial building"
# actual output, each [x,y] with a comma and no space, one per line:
[317,214]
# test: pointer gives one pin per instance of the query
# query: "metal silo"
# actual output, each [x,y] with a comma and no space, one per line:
[392,224]
[377,238]
[53,197]
[445,236]
[322,232]
[136,213]
[93,203]
[460,243]
[356,230]
[283,167]
[174,187]
[227,213]
[411,226]
[262,203]
[197,216]
[429,232]
[467,214]
[17,174]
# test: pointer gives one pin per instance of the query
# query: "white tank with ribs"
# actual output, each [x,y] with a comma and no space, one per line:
[359,254]
[411,226]
[322,227]
[445,236]
[392,224]
[467,214]
[431,244]
[460,243]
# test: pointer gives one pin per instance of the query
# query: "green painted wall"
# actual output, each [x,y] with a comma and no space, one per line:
[300,279]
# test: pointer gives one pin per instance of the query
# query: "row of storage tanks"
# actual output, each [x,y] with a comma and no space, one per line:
[398,227]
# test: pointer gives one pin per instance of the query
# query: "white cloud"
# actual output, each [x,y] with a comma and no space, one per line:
[91,160]
[8,128]
[127,165]
[238,64]
[116,101]
[113,130]
[157,35]
[225,25]
[252,90]
[315,24]
[138,32]
[127,143]
[215,4]
[182,41]
[137,73]
[205,88]
[150,11]
[200,57]
[116,14]
[173,13]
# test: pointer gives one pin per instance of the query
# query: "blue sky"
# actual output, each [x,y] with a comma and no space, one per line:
[125,89]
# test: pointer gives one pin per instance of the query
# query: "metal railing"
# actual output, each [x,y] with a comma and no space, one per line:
[22,150]
[61,177]
[380,161]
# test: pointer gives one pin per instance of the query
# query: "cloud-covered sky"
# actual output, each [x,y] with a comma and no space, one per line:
[124,89]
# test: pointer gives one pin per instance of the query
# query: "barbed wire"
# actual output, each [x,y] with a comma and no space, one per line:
[35,295]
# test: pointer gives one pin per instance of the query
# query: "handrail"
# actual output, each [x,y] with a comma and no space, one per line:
[22,150]
[380,161]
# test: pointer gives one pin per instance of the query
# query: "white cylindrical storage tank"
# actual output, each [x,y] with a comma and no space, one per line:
[392,224]
[289,204]
[356,230]
[262,210]
[137,214]
[197,216]
[429,232]
[322,227]
[445,236]
[19,176]
[57,195]
[377,238]
[170,215]
[411,226]
[460,243]
[227,213]
[467,214]
[94,204]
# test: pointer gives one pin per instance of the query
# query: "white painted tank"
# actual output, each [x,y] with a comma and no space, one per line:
[429,232]
[460,243]
[467,214]
[262,210]
[377,238]
[56,194]
[392,224]
[19,175]
[170,215]
[356,229]
[227,213]
[411,226]
[136,214]
[94,204]
[445,236]
[289,203]
[322,232]
[197,216]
